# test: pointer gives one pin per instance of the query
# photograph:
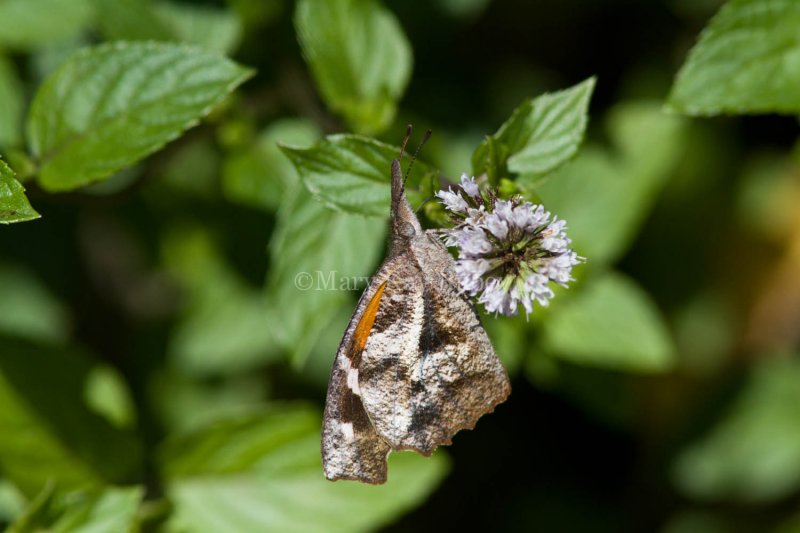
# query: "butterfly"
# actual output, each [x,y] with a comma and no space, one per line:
[415,365]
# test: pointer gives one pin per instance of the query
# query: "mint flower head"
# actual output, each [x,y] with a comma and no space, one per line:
[509,251]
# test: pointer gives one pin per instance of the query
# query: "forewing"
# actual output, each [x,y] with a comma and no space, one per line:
[428,369]
[390,356]
[351,448]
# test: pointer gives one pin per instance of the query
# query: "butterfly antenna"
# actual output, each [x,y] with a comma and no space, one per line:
[416,152]
[409,129]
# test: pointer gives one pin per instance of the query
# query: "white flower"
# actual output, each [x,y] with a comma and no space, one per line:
[497,299]
[475,217]
[473,242]
[510,251]
[538,289]
[496,225]
[504,209]
[470,272]
[528,217]
[559,268]
[554,239]
[469,186]
[453,201]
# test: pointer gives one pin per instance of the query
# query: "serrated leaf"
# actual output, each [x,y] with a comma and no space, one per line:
[753,453]
[746,61]
[352,173]
[263,473]
[359,57]
[48,432]
[542,134]
[318,255]
[28,24]
[610,323]
[109,106]
[14,205]
[604,195]
[261,175]
[11,104]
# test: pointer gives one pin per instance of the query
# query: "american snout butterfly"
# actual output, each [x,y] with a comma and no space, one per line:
[415,365]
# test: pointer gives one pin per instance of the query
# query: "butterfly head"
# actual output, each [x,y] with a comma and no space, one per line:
[405,224]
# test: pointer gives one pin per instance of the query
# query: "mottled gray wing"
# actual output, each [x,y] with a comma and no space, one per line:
[351,448]
[428,369]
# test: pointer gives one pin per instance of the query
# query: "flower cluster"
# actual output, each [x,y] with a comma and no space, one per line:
[508,250]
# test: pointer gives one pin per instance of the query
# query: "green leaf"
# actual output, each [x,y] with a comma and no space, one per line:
[34,517]
[318,257]
[107,394]
[29,309]
[753,453]
[263,473]
[48,432]
[211,28]
[226,326]
[12,502]
[359,57]
[490,158]
[45,60]
[28,24]
[14,205]
[214,29]
[610,323]
[541,135]
[261,175]
[109,106]
[134,20]
[183,402]
[604,196]
[113,509]
[352,173]
[746,61]
[11,104]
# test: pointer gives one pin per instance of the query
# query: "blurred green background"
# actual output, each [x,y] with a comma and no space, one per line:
[159,370]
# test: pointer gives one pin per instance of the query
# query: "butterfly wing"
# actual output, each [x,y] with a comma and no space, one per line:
[351,448]
[428,368]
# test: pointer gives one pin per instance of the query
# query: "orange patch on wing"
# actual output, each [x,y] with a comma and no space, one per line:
[367,320]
